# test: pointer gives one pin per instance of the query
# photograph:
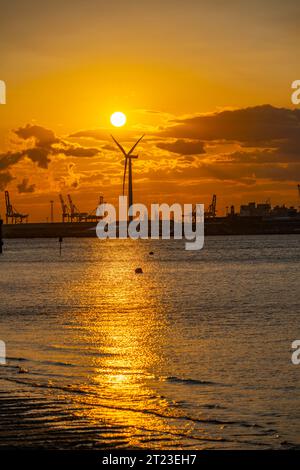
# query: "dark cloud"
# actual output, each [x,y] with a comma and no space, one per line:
[183,147]
[5,178]
[43,137]
[9,159]
[237,172]
[290,147]
[273,133]
[268,138]
[79,151]
[253,126]
[279,173]
[256,171]
[110,147]
[45,145]
[38,155]
[260,157]
[25,187]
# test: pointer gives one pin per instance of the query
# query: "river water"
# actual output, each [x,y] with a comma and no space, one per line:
[195,353]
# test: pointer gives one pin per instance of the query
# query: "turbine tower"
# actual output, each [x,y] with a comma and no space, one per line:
[128,160]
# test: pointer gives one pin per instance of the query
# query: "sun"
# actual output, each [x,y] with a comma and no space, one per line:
[118,119]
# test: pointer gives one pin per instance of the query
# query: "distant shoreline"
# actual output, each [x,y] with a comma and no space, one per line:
[218,226]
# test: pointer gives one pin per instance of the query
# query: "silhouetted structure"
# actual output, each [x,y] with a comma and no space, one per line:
[71,213]
[1,237]
[265,210]
[128,160]
[12,213]
[253,210]
[75,214]
[212,208]
[51,211]
[65,213]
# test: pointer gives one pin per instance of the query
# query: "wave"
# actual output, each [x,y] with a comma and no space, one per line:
[179,380]
[51,363]
[18,359]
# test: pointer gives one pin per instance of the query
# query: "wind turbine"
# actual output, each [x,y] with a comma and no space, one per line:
[128,159]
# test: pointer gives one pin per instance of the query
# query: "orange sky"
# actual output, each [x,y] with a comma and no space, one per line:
[209,82]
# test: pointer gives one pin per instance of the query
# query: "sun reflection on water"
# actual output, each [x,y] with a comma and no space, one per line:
[125,329]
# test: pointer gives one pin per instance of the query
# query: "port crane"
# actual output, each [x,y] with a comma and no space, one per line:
[75,214]
[11,212]
[71,213]
[83,216]
[64,207]
[92,216]
[212,209]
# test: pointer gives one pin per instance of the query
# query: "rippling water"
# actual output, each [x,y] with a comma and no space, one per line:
[194,353]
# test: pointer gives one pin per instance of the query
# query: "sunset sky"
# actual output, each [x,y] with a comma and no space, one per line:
[208,82]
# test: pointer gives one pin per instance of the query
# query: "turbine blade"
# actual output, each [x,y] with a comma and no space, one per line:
[131,150]
[119,145]
[124,177]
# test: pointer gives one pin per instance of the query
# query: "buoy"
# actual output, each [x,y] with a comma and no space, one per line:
[138,271]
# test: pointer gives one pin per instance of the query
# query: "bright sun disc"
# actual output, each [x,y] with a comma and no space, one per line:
[118,119]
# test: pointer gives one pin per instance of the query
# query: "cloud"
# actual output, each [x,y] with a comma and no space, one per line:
[183,147]
[103,135]
[38,155]
[5,178]
[252,126]
[267,139]
[9,159]
[25,187]
[260,157]
[290,147]
[279,173]
[240,147]
[96,134]
[43,137]
[45,144]
[109,147]
[79,151]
